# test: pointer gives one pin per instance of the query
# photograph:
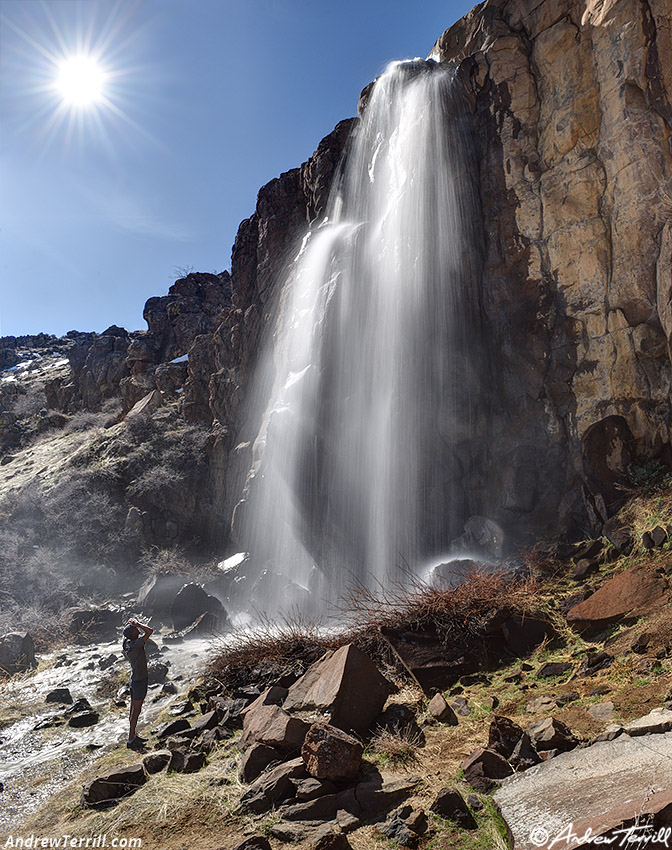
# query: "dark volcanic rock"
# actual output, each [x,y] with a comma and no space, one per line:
[331,754]
[113,786]
[450,804]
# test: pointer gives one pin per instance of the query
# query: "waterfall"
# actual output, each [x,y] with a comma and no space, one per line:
[360,459]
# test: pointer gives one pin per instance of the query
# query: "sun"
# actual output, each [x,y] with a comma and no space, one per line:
[80,81]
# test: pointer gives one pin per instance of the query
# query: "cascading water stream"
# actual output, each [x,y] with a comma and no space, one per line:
[357,467]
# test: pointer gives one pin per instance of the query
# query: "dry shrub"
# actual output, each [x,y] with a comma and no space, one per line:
[459,616]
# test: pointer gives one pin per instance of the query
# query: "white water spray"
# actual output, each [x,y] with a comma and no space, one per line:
[358,462]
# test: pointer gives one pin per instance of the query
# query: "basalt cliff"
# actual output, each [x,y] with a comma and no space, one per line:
[571,107]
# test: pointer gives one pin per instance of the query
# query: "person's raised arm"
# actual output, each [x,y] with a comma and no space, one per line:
[148,630]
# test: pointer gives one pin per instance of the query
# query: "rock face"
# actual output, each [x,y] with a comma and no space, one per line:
[17,652]
[572,108]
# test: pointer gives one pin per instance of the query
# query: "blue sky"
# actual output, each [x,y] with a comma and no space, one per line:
[204,101]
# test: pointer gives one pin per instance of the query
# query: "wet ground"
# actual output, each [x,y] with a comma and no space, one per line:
[36,763]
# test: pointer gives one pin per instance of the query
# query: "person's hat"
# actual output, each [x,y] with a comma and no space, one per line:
[130,631]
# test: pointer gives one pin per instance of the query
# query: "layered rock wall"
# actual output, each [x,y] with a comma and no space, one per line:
[572,109]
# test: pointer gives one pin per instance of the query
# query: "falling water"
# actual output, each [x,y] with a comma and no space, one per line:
[357,475]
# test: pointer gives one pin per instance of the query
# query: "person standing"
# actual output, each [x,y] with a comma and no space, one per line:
[133,648]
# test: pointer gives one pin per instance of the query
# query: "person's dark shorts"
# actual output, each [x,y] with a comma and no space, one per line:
[139,689]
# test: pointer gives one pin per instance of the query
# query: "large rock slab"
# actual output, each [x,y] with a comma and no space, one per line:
[591,784]
[113,786]
[628,595]
[271,725]
[345,685]
[191,602]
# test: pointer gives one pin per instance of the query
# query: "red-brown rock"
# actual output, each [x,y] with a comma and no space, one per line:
[629,594]
[330,753]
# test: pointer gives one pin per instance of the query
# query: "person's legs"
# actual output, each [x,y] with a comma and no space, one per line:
[134,714]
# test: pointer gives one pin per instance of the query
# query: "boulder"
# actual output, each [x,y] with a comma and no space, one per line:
[379,791]
[271,725]
[344,685]
[503,735]
[330,753]
[156,761]
[60,695]
[158,592]
[587,787]
[113,786]
[272,786]
[439,709]
[552,734]
[183,760]
[635,592]
[657,721]
[94,623]
[172,727]
[17,652]
[83,718]
[156,672]
[191,602]
[483,768]
[524,754]
[460,706]
[554,668]
[332,841]
[450,804]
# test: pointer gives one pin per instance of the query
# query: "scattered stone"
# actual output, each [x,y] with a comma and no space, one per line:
[417,821]
[554,668]
[108,661]
[641,642]
[647,540]
[450,804]
[185,761]
[601,711]
[655,722]
[272,786]
[396,829]
[231,710]
[539,704]
[490,703]
[550,733]
[594,662]
[332,841]
[503,735]
[330,753]
[460,706]
[474,802]
[49,722]
[658,536]
[205,721]
[439,708]
[172,727]
[169,688]
[397,718]
[182,707]
[82,704]
[255,760]
[569,696]
[483,767]
[113,786]
[156,761]
[344,684]
[610,733]
[60,695]
[589,550]
[600,691]
[83,718]
[326,808]
[271,725]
